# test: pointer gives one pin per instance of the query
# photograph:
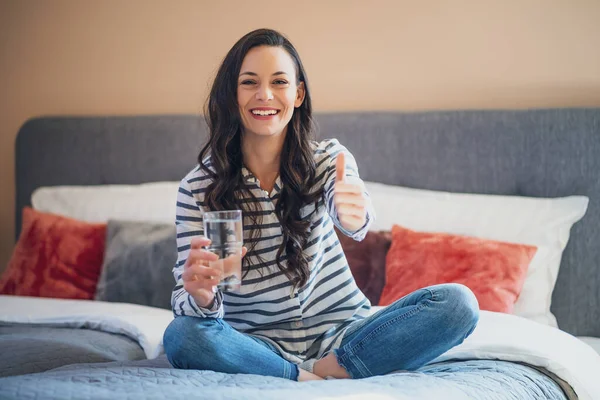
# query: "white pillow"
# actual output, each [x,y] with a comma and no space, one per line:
[593,342]
[153,202]
[543,222]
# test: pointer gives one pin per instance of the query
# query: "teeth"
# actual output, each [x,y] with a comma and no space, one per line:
[264,112]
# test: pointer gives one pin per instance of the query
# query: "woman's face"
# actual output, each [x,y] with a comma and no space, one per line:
[267,92]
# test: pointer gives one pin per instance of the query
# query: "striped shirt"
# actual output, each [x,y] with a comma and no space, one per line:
[302,322]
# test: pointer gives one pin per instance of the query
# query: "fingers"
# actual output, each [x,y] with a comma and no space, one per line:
[340,167]
[351,222]
[351,199]
[341,187]
[198,242]
[351,210]
[204,275]
[244,251]
[351,204]
[201,256]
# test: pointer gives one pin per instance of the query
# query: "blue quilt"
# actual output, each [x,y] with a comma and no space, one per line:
[155,379]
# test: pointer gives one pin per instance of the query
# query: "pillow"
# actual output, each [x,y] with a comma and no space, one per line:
[541,222]
[366,260]
[55,256]
[152,202]
[495,271]
[138,264]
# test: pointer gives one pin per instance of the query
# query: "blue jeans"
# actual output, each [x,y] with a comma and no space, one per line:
[403,336]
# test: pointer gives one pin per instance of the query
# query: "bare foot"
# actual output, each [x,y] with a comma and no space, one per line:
[307,376]
[328,366]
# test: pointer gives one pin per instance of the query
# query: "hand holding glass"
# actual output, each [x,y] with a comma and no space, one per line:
[225,231]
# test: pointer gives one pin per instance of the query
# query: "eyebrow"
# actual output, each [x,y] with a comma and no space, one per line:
[255,74]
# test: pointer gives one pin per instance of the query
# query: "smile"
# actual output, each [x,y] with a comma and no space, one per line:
[264,112]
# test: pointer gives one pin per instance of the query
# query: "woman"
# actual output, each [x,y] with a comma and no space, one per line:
[299,314]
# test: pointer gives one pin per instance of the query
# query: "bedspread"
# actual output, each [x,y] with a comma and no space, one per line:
[153,379]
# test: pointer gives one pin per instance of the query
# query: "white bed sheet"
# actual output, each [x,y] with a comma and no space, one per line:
[593,342]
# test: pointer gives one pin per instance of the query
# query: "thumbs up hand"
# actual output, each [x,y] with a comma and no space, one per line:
[348,198]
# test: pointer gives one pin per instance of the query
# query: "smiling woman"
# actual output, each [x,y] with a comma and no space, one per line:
[299,313]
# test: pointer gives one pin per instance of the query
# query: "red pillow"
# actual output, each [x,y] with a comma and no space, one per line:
[55,257]
[494,271]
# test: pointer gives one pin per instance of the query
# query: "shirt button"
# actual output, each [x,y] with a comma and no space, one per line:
[298,324]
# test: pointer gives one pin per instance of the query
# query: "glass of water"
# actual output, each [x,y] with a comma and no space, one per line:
[225,230]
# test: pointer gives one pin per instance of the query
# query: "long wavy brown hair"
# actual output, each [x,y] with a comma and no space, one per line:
[297,170]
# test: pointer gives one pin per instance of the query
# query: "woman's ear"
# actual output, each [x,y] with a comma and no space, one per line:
[300,92]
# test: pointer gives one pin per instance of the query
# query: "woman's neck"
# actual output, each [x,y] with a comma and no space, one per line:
[262,156]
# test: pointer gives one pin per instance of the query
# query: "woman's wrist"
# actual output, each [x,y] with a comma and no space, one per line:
[207,305]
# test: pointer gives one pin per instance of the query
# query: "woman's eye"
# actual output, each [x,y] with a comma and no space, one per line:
[280,82]
[248,82]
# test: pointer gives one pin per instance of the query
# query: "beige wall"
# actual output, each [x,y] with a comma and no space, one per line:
[126,57]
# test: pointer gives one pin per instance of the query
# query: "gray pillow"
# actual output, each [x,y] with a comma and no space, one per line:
[138,262]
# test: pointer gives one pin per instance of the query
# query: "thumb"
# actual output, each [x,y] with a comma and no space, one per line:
[340,167]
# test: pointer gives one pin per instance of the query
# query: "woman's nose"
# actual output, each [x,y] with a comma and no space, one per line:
[264,93]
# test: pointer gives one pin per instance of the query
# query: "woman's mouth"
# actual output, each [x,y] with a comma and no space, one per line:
[264,113]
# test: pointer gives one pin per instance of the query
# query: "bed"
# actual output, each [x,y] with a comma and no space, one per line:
[67,349]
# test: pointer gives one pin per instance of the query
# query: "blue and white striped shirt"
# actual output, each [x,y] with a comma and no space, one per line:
[303,322]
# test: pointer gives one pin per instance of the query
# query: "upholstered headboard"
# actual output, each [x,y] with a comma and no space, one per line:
[539,153]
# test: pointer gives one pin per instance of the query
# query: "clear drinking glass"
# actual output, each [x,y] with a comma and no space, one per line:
[225,230]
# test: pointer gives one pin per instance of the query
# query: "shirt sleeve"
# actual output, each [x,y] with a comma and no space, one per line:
[333,148]
[188,222]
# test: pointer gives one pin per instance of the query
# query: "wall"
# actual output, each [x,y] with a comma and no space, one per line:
[137,56]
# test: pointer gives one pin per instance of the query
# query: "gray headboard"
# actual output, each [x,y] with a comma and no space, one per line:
[540,153]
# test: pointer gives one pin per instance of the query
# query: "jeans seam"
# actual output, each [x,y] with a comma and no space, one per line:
[220,322]
[292,366]
[350,358]
[287,373]
[433,294]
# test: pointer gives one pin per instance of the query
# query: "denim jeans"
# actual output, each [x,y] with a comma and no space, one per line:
[403,336]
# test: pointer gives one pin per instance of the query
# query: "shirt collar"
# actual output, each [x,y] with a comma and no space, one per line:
[250,178]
